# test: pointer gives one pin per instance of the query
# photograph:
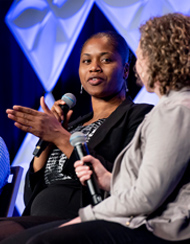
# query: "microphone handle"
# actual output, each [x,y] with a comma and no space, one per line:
[40,146]
[93,188]
[65,108]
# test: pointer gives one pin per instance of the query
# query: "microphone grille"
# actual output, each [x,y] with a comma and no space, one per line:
[77,138]
[69,99]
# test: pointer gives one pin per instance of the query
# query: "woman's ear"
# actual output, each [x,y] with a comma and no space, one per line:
[126,71]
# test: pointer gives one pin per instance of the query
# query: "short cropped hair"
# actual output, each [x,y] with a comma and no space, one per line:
[165,41]
[117,41]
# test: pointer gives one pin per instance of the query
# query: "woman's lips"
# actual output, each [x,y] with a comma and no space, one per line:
[95,81]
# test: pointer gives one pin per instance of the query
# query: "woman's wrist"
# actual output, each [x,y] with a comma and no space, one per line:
[63,143]
[107,181]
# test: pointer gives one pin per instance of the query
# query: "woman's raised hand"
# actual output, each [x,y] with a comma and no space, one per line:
[84,172]
[44,125]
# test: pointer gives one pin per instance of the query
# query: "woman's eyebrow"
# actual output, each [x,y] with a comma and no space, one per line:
[101,54]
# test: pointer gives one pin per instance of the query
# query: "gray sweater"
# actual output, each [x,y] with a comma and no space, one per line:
[151,176]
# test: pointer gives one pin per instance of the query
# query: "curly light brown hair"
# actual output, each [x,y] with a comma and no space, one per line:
[165,41]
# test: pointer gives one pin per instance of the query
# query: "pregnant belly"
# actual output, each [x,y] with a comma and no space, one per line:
[58,201]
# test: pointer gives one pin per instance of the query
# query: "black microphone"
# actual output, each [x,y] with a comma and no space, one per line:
[70,102]
[78,141]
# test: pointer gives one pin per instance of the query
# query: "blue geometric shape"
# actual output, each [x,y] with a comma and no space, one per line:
[47,31]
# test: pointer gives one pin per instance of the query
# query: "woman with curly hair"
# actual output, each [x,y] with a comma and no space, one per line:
[165,43]
[149,187]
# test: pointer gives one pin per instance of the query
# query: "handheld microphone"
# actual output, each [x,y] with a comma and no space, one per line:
[78,141]
[70,102]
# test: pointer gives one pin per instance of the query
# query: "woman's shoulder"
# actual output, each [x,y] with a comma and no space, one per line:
[172,111]
[128,105]
[138,109]
[175,102]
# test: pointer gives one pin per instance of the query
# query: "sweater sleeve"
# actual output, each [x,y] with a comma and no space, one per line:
[165,158]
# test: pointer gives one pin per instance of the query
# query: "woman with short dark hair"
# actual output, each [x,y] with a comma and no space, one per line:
[52,189]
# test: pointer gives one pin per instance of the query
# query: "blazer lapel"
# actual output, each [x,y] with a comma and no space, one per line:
[110,122]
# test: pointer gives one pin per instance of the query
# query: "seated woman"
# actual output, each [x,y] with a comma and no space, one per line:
[150,185]
[4,164]
[52,190]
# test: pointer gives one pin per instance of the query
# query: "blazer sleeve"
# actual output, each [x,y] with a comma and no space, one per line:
[34,182]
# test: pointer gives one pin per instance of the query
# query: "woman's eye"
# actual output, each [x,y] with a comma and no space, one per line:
[86,61]
[106,60]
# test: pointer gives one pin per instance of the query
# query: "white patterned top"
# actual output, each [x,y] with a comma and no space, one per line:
[55,163]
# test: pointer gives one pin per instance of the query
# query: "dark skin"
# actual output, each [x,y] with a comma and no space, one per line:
[102,75]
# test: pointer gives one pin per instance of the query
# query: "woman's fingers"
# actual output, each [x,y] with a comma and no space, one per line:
[33,121]
[22,115]
[24,128]
[21,111]
[83,172]
[84,176]
[70,112]
[44,106]
[57,111]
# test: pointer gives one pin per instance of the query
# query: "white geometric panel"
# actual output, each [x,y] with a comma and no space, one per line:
[181,6]
[127,16]
[46,31]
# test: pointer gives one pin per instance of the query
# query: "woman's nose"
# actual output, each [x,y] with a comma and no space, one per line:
[95,67]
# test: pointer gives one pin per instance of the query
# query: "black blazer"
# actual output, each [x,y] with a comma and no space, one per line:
[108,140]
